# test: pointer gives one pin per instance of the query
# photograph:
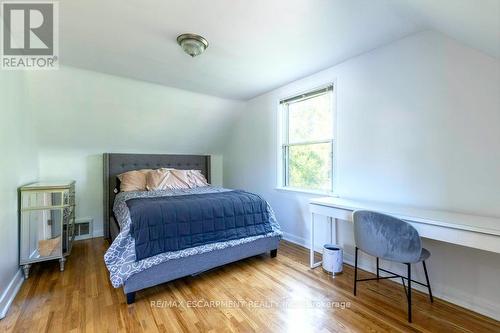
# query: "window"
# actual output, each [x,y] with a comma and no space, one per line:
[307,145]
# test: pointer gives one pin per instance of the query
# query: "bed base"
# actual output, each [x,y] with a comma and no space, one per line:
[196,264]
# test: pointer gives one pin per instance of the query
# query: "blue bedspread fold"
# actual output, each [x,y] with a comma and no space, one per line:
[175,223]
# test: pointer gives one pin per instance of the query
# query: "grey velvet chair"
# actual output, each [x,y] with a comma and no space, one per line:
[389,238]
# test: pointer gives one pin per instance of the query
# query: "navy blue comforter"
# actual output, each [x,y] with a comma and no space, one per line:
[174,223]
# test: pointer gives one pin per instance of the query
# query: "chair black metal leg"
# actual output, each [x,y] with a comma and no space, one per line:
[428,283]
[355,269]
[404,285]
[409,293]
[274,253]
[378,276]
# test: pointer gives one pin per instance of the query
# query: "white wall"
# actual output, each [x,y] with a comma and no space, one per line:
[81,114]
[18,166]
[418,124]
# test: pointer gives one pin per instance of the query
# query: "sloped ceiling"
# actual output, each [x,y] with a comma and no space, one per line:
[258,45]
[475,23]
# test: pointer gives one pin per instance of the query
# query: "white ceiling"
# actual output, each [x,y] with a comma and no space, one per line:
[257,45]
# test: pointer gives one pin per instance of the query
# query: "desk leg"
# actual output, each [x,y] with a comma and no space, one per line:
[313,264]
[311,250]
[331,229]
[335,230]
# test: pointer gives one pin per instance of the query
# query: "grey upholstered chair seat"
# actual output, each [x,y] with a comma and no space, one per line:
[387,237]
[424,255]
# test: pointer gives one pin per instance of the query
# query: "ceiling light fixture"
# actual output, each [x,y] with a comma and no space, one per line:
[192,44]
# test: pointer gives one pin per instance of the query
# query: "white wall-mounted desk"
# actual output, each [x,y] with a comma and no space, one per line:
[480,232]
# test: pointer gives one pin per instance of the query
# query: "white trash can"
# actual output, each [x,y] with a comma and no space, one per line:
[332,259]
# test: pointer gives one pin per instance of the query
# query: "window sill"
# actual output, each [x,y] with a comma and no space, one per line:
[306,191]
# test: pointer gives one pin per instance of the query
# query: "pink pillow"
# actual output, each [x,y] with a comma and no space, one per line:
[164,179]
[196,179]
[134,180]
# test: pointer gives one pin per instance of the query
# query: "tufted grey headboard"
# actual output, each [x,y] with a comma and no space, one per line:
[115,164]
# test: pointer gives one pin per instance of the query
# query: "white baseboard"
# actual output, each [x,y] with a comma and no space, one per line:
[488,309]
[10,293]
[300,241]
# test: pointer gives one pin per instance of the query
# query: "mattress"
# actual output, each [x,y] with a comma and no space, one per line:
[121,258]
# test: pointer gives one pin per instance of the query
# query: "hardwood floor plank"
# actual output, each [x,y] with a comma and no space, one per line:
[259,294]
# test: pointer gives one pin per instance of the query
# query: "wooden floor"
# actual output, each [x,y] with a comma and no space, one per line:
[260,294]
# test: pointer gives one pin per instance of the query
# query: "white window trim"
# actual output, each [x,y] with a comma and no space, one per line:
[280,186]
[306,191]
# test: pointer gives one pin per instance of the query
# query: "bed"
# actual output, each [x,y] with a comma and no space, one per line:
[134,270]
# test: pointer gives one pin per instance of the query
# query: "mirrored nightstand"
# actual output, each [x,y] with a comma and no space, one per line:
[46,222]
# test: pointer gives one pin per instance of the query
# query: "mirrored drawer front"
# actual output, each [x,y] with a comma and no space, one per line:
[40,199]
[41,234]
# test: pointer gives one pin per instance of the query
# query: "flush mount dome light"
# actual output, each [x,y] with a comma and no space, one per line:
[192,44]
